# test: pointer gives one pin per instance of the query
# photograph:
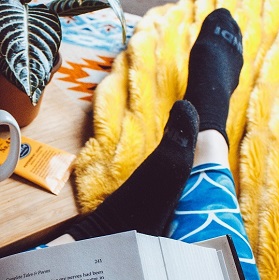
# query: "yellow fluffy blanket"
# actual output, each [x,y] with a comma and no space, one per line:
[132,103]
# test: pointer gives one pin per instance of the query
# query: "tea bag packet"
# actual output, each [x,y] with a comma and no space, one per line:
[42,164]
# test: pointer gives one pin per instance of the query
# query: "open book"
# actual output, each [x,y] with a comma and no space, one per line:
[126,256]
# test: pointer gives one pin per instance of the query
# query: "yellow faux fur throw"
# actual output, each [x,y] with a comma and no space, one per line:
[132,104]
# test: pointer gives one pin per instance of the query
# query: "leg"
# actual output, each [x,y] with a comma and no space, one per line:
[208,206]
[147,199]
[211,147]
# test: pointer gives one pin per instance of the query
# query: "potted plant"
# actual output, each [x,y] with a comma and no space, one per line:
[30,37]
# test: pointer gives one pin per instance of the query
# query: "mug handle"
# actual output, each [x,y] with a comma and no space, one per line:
[8,167]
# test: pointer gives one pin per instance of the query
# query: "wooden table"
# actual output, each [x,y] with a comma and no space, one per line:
[28,214]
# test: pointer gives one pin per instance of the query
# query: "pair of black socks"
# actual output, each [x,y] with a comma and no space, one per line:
[145,202]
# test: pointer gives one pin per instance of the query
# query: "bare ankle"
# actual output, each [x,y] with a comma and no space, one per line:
[211,148]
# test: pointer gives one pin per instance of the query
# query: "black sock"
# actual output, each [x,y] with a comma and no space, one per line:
[147,199]
[214,68]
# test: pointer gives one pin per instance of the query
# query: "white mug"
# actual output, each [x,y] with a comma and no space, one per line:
[8,167]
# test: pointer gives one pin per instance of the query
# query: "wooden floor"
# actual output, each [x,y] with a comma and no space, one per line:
[140,7]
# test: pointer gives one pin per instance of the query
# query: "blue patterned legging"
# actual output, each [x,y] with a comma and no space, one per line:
[209,208]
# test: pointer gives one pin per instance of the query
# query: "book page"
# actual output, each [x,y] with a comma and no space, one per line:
[103,258]
[191,262]
[124,256]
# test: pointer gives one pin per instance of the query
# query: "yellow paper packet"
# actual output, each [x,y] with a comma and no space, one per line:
[42,164]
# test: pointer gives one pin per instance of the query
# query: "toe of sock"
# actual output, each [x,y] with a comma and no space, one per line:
[183,122]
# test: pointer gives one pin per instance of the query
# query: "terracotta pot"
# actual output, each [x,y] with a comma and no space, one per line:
[17,103]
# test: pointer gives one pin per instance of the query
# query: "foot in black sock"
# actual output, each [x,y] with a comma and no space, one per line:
[147,199]
[214,68]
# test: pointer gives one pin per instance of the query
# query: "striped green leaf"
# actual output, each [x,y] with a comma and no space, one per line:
[30,40]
